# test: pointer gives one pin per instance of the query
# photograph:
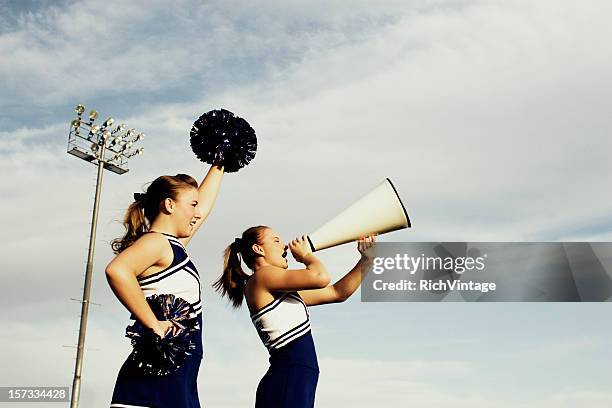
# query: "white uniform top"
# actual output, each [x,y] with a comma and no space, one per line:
[180,279]
[282,321]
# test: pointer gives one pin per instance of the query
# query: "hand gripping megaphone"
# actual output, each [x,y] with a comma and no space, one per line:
[377,212]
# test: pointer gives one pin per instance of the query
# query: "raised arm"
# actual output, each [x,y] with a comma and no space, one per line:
[207,192]
[345,287]
[121,275]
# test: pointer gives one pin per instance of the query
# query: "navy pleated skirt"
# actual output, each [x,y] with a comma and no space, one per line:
[291,380]
[178,389]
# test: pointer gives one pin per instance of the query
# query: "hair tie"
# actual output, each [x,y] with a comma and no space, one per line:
[139,196]
[238,243]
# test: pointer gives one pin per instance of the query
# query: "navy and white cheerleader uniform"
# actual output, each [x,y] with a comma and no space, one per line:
[178,389]
[284,328]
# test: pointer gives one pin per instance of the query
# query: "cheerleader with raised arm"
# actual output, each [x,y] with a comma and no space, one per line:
[152,262]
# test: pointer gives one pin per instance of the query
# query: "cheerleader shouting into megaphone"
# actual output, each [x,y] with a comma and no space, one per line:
[278,301]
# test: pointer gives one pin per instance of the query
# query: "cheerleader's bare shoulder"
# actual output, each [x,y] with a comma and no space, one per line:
[179,388]
[151,259]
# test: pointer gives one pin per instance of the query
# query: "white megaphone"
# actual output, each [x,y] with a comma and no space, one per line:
[377,212]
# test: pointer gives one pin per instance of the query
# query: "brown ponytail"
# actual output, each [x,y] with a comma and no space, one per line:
[146,206]
[234,279]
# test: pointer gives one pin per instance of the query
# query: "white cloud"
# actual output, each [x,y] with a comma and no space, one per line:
[591,399]
[490,117]
[82,50]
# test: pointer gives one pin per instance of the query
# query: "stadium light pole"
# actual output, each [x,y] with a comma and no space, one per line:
[109,149]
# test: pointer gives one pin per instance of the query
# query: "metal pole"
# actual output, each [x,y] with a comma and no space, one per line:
[76,383]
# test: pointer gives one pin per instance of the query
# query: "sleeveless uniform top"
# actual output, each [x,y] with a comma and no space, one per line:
[282,321]
[180,279]
[178,389]
[291,379]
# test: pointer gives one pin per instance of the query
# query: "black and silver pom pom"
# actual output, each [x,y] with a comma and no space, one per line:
[220,137]
[155,356]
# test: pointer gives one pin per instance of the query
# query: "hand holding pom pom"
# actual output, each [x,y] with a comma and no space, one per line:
[218,137]
[166,328]
[156,355]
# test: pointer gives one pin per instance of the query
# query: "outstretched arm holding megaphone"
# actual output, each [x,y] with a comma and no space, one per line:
[348,284]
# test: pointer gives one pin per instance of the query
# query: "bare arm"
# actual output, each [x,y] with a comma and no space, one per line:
[314,276]
[348,284]
[207,192]
[121,275]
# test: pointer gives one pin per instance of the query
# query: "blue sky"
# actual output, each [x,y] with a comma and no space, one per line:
[491,118]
